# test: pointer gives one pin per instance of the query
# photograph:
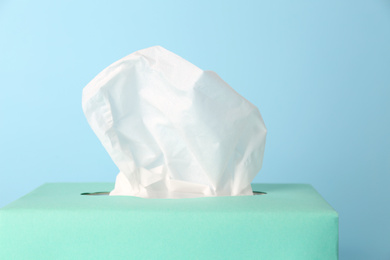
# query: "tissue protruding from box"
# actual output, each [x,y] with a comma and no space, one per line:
[174,130]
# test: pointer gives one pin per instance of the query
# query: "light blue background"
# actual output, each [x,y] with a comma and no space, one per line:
[319,71]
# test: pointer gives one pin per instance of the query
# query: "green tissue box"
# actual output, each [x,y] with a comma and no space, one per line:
[291,221]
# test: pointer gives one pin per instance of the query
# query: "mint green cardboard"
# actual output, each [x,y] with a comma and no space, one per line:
[291,221]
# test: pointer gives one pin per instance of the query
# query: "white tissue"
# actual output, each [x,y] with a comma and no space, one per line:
[174,130]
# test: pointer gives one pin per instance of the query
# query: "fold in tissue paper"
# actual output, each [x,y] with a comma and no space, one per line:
[174,130]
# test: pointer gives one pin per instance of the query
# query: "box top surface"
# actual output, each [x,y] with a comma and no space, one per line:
[298,198]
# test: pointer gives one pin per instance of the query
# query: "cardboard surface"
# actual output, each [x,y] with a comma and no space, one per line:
[292,221]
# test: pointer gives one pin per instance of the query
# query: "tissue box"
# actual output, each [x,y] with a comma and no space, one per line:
[291,221]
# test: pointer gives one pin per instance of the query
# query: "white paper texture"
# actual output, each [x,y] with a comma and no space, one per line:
[174,130]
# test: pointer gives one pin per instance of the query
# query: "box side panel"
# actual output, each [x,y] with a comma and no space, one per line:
[169,235]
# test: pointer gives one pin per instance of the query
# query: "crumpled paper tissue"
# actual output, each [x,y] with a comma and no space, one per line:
[174,130]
